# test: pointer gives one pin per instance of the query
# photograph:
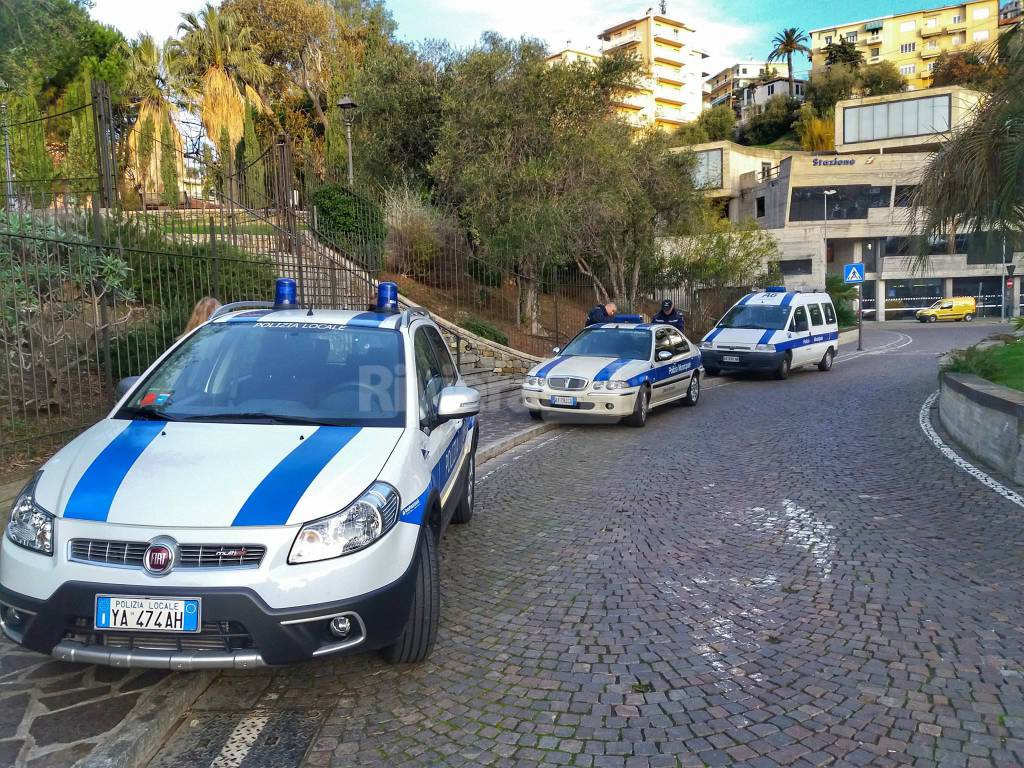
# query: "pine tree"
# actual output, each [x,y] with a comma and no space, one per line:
[168,167]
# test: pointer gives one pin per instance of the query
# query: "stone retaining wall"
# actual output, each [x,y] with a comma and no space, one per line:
[986,419]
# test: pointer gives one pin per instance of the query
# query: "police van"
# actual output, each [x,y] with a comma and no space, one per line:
[274,488]
[773,331]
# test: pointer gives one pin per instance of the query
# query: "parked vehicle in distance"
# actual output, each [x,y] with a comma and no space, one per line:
[773,331]
[954,308]
[616,369]
[273,489]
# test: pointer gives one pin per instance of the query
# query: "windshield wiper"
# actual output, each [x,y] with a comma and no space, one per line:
[274,418]
[145,414]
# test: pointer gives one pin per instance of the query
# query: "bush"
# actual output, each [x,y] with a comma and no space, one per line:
[816,133]
[881,79]
[351,222]
[485,330]
[841,295]
[972,360]
[773,122]
[421,242]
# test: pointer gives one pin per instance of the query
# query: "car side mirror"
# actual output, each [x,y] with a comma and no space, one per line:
[556,350]
[800,326]
[662,355]
[125,385]
[457,403]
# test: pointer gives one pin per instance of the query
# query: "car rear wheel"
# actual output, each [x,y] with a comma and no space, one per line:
[464,512]
[693,391]
[825,364]
[968,317]
[643,403]
[782,372]
[417,639]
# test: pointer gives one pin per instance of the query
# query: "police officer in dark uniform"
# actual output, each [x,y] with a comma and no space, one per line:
[669,315]
[602,313]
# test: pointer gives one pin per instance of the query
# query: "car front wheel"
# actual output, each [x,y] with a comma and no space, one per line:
[418,638]
[693,391]
[782,372]
[968,317]
[643,403]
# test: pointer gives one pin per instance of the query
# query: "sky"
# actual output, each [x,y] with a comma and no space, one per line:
[730,30]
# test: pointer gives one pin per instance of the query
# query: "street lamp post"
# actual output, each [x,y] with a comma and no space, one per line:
[347,106]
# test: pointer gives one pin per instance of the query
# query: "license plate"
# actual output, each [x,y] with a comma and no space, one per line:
[562,400]
[730,358]
[148,614]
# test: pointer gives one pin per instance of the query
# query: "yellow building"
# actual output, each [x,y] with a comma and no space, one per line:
[672,91]
[913,41]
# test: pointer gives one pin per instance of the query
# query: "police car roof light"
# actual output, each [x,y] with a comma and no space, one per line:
[775,289]
[627,319]
[285,292]
[387,297]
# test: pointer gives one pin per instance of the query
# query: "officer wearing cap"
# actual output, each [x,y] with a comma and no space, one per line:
[669,315]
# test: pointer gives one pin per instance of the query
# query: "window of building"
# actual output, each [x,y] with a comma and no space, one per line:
[908,26]
[931,23]
[760,206]
[959,38]
[957,18]
[794,267]
[878,197]
[851,37]
[980,36]
[828,39]
[744,71]
[909,117]
[908,69]
[908,47]
[875,52]
[708,173]
[771,89]
[903,193]
[766,170]
[798,89]
[849,202]
[931,66]
[981,13]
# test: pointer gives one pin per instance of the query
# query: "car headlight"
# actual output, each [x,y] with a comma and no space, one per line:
[30,525]
[534,381]
[765,348]
[356,527]
[706,345]
[616,385]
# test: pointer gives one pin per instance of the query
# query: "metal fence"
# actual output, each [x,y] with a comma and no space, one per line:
[111,232]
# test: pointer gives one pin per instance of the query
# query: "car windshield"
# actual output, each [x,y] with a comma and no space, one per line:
[623,343]
[279,373]
[760,316]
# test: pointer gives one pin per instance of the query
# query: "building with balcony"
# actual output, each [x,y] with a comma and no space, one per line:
[729,85]
[1011,12]
[830,209]
[672,89]
[913,41]
[756,95]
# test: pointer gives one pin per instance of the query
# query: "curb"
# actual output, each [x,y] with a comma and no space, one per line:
[848,337]
[506,444]
[145,730]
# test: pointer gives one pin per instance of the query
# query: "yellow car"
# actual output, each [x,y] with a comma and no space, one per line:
[955,308]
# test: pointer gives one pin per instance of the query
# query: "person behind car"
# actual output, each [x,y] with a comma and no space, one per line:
[602,313]
[202,312]
[669,315]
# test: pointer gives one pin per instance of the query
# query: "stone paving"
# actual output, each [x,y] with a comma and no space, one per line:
[789,574]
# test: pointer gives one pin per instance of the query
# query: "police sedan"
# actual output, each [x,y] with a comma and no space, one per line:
[273,489]
[616,369]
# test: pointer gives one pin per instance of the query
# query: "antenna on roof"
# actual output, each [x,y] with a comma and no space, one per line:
[663,6]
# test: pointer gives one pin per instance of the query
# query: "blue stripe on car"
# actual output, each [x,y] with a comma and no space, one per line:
[655,375]
[745,299]
[787,299]
[543,372]
[609,370]
[273,500]
[766,336]
[95,490]
[369,319]
[440,474]
[806,340]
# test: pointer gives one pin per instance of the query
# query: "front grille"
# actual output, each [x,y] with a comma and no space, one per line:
[735,347]
[128,554]
[567,383]
[223,636]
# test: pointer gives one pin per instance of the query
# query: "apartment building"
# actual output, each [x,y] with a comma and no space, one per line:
[1011,12]
[757,95]
[913,41]
[672,91]
[830,209]
[729,85]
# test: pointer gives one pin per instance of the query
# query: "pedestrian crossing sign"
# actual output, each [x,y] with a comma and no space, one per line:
[853,273]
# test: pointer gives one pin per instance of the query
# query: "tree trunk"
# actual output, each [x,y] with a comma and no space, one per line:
[789,63]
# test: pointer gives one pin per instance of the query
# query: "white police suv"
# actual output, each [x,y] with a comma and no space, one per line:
[773,331]
[272,489]
[621,368]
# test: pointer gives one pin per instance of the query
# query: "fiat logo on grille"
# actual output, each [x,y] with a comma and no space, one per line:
[160,556]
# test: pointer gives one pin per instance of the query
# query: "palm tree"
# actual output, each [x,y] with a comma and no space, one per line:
[975,182]
[218,66]
[786,43]
[147,87]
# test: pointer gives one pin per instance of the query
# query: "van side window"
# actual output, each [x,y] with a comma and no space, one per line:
[947,305]
[816,318]
[830,313]
[799,315]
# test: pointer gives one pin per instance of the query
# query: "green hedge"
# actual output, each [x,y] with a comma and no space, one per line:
[351,222]
[485,330]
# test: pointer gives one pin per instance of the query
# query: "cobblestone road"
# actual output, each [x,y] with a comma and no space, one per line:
[789,574]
